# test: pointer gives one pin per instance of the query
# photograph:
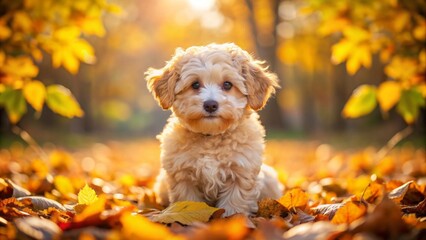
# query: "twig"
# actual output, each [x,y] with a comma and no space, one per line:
[393,142]
[24,135]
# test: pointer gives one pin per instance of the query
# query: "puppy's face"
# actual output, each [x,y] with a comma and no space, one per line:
[210,88]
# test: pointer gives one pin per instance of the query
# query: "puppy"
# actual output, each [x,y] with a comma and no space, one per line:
[212,145]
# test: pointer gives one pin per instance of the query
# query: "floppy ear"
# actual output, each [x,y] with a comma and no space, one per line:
[161,82]
[259,82]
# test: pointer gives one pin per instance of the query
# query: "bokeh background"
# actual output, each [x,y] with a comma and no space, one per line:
[117,105]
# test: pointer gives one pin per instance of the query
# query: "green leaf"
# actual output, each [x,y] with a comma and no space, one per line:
[62,102]
[87,195]
[409,104]
[362,101]
[14,103]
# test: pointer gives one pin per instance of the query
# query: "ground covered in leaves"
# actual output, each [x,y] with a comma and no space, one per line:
[104,192]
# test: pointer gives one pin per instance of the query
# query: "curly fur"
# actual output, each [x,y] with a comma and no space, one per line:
[214,157]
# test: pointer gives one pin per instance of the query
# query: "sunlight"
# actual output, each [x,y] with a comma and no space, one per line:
[201,5]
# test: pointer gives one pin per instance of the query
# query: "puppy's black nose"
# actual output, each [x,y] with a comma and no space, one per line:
[211,106]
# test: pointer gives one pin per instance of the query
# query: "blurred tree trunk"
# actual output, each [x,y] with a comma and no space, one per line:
[266,48]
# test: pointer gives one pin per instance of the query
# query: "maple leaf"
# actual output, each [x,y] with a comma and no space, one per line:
[185,212]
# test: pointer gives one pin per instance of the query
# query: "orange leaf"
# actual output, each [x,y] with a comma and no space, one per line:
[294,198]
[138,227]
[349,212]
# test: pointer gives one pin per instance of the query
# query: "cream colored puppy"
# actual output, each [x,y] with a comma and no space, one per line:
[212,145]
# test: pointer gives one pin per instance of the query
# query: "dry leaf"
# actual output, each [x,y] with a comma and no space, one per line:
[269,208]
[309,231]
[385,221]
[294,198]
[398,193]
[327,210]
[349,212]
[185,212]
[138,227]
[233,228]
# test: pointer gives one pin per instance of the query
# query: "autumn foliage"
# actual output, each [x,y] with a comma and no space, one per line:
[105,193]
[32,30]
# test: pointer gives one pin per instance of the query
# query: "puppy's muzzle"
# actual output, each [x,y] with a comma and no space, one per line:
[210,106]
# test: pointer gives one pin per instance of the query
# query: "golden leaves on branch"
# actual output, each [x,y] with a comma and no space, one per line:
[56,28]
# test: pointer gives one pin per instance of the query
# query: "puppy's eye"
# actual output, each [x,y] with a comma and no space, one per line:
[195,85]
[227,85]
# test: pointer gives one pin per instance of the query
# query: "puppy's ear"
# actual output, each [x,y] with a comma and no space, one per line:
[259,82]
[161,82]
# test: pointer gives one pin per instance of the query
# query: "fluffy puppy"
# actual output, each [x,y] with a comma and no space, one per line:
[212,145]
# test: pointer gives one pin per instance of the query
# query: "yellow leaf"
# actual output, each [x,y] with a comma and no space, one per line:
[21,21]
[67,34]
[401,68]
[20,66]
[356,34]
[361,102]
[185,212]
[388,94]
[83,51]
[341,51]
[63,185]
[5,32]
[349,212]
[138,227]
[401,20]
[294,198]
[93,25]
[361,56]
[333,25]
[92,210]
[35,94]
[65,57]
[87,195]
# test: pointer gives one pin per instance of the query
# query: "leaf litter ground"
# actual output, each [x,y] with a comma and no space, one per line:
[104,192]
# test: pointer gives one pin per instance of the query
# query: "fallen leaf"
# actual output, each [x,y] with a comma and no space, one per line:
[185,212]
[138,227]
[92,211]
[269,208]
[349,212]
[308,231]
[419,209]
[398,193]
[236,229]
[36,228]
[87,195]
[40,203]
[328,210]
[294,198]
[385,221]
